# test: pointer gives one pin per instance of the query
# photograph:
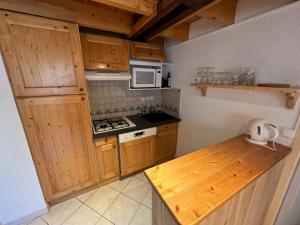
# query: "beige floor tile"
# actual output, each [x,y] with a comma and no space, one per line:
[122,210]
[119,185]
[86,195]
[143,216]
[60,212]
[37,221]
[148,199]
[102,199]
[84,215]
[141,176]
[104,221]
[137,189]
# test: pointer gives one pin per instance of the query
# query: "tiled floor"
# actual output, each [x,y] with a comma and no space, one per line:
[126,202]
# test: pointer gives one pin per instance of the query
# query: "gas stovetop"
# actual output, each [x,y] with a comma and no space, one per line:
[117,123]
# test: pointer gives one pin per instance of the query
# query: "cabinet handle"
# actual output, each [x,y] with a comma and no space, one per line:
[82,99]
[81,89]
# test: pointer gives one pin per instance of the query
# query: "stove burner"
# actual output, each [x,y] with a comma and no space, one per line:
[105,125]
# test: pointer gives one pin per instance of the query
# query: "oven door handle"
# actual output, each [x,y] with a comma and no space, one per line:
[139,134]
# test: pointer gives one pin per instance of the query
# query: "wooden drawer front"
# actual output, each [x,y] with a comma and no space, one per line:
[106,53]
[137,154]
[108,161]
[58,130]
[139,50]
[167,127]
[104,141]
[42,56]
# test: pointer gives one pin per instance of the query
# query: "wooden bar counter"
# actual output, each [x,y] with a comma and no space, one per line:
[230,183]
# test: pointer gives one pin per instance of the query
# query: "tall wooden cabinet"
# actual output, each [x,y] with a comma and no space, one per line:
[44,64]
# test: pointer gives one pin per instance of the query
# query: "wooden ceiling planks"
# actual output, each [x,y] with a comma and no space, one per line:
[144,7]
[83,13]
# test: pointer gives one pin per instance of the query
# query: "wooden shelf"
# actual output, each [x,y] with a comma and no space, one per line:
[292,94]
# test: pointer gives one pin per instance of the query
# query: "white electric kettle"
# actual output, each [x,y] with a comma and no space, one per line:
[259,132]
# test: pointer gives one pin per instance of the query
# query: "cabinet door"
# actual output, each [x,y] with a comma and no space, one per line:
[166,142]
[42,56]
[107,158]
[147,51]
[58,130]
[104,53]
[136,155]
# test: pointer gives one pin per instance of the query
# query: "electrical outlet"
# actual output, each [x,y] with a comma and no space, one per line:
[151,98]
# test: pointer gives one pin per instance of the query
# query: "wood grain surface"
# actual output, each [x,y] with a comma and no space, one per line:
[195,185]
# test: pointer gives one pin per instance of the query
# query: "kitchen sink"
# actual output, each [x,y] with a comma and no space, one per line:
[157,117]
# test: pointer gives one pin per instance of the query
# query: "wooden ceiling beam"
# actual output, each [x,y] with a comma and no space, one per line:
[179,33]
[103,18]
[182,18]
[223,13]
[144,7]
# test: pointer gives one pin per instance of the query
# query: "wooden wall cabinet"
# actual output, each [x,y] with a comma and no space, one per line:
[58,131]
[146,51]
[42,56]
[137,154]
[104,53]
[166,142]
[107,157]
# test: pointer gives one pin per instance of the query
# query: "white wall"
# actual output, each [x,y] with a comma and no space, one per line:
[20,193]
[290,211]
[269,42]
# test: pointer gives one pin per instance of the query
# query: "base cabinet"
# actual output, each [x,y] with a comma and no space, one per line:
[166,142]
[107,157]
[137,154]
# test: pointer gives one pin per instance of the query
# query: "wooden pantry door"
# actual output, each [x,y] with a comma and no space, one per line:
[42,56]
[58,130]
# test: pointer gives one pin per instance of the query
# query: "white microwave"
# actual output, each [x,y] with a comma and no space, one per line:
[143,77]
[145,74]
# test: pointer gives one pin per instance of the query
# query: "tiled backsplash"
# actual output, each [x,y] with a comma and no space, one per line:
[113,98]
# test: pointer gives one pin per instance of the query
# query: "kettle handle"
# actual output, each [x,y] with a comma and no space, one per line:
[275,131]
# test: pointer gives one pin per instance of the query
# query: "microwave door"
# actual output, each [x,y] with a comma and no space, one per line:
[143,78]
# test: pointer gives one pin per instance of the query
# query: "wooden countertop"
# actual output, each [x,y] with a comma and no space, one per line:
[196,184]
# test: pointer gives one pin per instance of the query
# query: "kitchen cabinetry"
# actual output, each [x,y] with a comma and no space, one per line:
[42,56]
[166,142]
[146,51]
[137,154]
[60,140]
[107,157]
[104,53]
[44,64]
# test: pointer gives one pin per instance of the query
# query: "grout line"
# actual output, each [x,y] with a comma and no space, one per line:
[44,220]
[72,213]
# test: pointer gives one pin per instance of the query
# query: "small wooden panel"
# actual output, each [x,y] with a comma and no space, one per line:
[194,185]
[86,15]
[58,130]
[42,56]
[137,154]
[144,7]
[107,157]
[166,142]
[180,32]
[104,141]
[147,51]
[104,53]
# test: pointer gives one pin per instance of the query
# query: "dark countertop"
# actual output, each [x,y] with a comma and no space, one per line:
[140,125]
